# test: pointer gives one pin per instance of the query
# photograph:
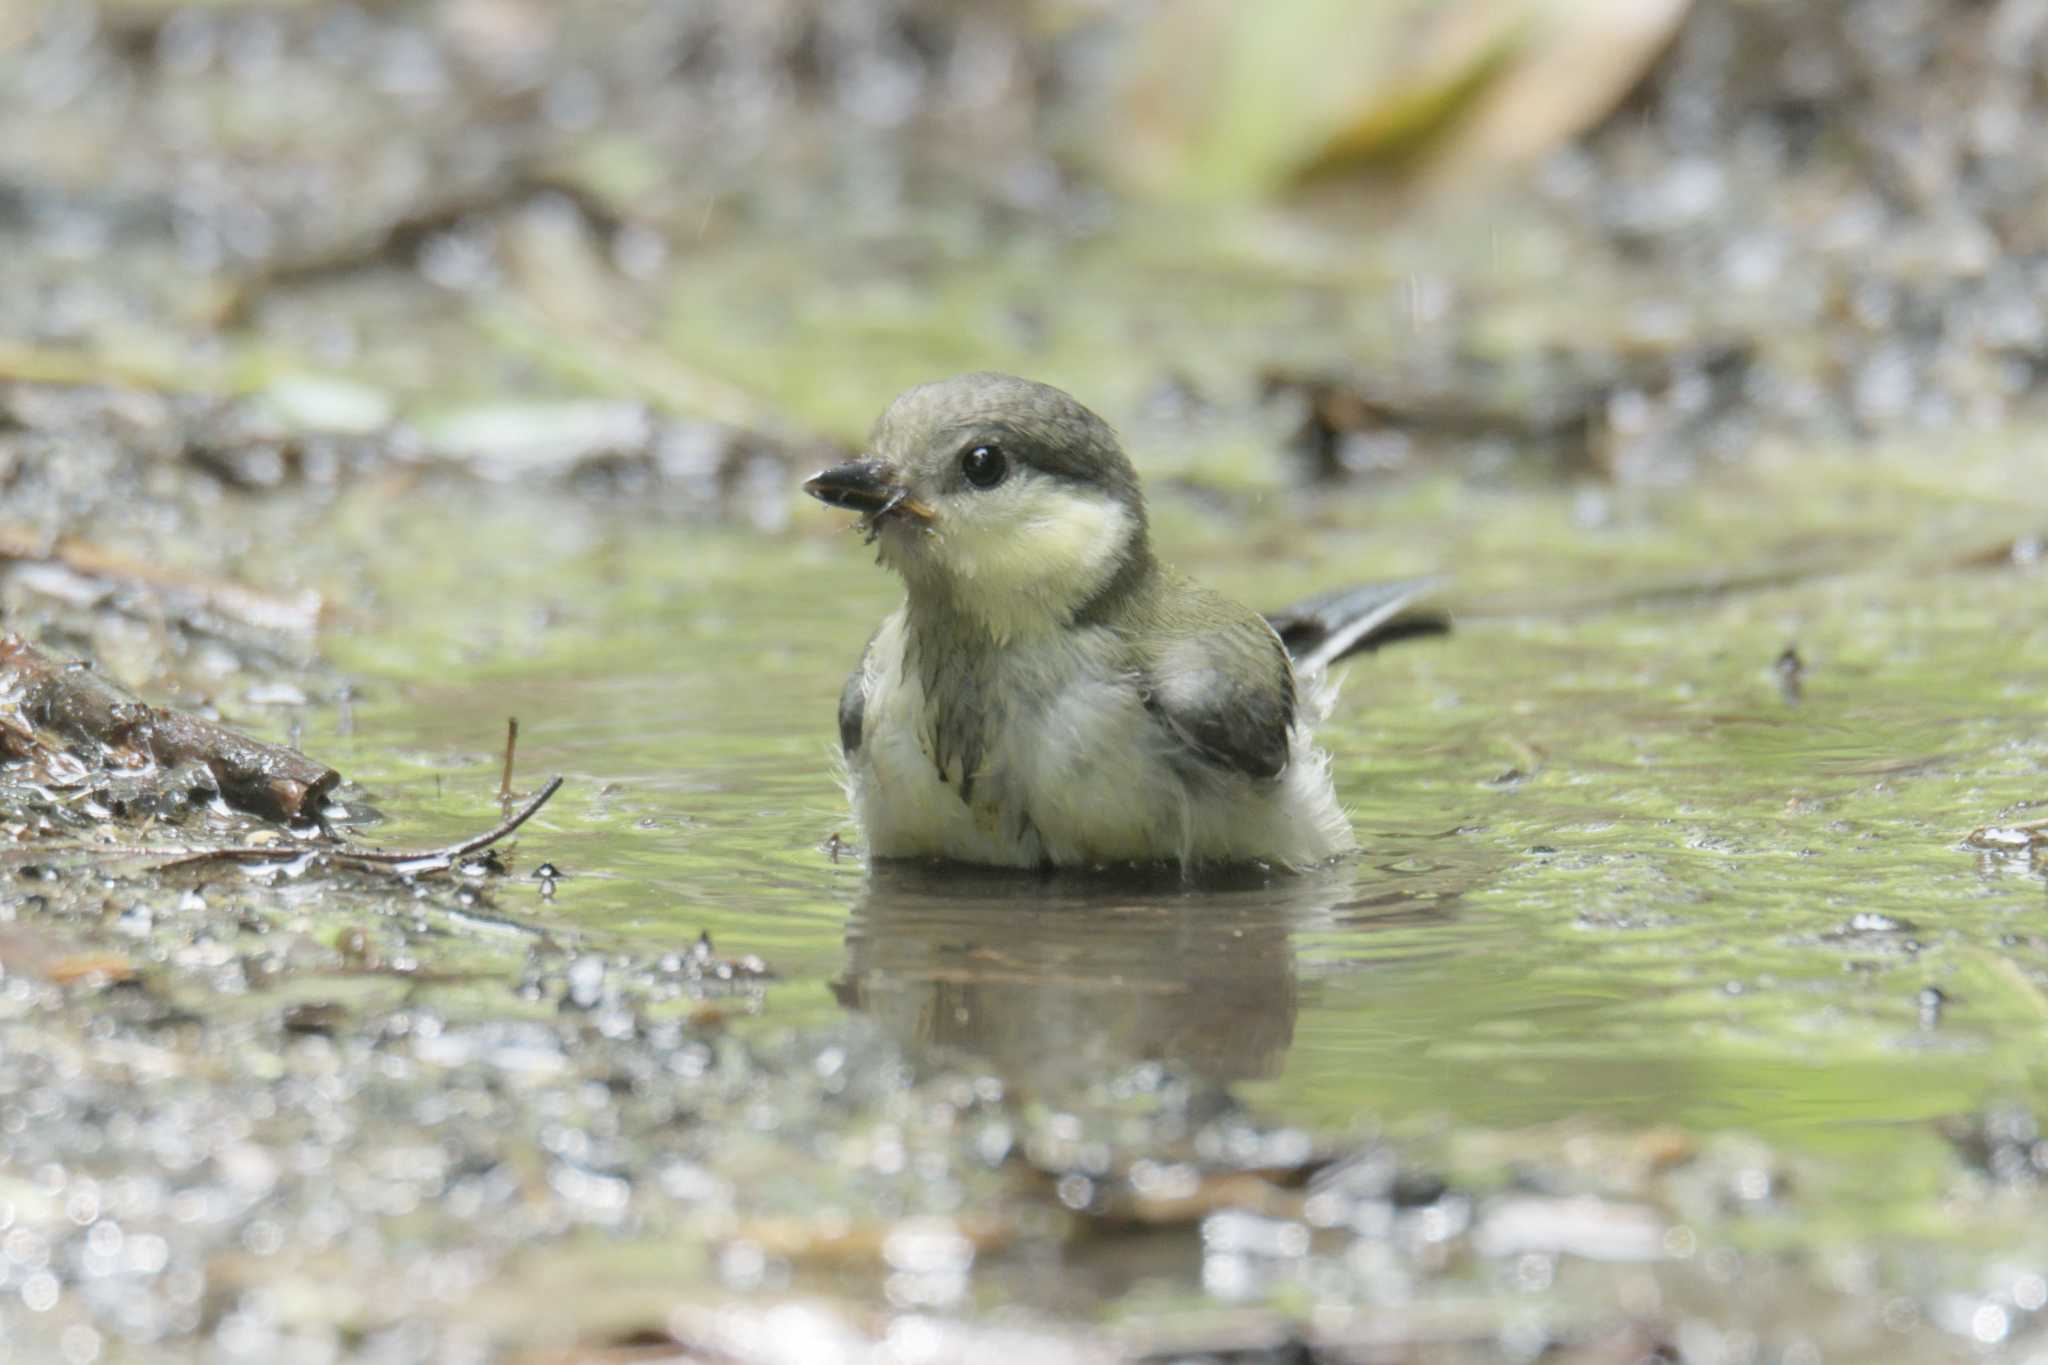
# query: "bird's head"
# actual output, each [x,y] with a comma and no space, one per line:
[1004,499]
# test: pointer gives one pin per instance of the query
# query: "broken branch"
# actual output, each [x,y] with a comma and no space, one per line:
[71,700]
[511,744]
[425,859]
[451,852]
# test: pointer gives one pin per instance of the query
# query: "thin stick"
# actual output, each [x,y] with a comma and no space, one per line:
[467,846]
[374,856]
[511,743]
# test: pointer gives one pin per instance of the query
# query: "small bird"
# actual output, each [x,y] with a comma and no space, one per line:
[1050,695]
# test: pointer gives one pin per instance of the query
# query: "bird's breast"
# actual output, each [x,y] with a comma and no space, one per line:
[1037,752]
[1047,754]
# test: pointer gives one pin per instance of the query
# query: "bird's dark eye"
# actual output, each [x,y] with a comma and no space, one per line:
[984,466]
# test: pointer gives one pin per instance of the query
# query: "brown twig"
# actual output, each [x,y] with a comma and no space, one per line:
[511,743]
[376,857]
[477,844]
[69,699]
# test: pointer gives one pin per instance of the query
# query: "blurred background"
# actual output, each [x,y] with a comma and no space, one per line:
[1618,239]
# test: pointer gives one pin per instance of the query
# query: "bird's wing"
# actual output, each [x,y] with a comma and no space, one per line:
[1225,692]
[853,701]
[1330,626]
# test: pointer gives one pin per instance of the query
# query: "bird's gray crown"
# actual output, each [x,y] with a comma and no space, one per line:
[1035,424]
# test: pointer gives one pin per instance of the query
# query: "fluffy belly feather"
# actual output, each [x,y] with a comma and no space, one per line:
[1080,774]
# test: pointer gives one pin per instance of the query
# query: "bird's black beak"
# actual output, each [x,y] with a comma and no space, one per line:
[870,487]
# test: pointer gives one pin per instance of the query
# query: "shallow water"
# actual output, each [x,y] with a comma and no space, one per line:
[1612,872]
[1666,991]
[1633,925]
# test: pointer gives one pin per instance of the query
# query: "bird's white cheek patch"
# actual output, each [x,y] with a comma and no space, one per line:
[1046,546]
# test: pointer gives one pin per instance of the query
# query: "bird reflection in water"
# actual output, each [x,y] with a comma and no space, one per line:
[1065,978]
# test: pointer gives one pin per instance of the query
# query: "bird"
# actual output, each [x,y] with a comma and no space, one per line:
[1049,695]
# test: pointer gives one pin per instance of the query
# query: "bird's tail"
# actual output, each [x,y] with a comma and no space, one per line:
[1322,629]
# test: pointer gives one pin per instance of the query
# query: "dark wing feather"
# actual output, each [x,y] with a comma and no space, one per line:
[1334,625]
[1227,695]
[853,703]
